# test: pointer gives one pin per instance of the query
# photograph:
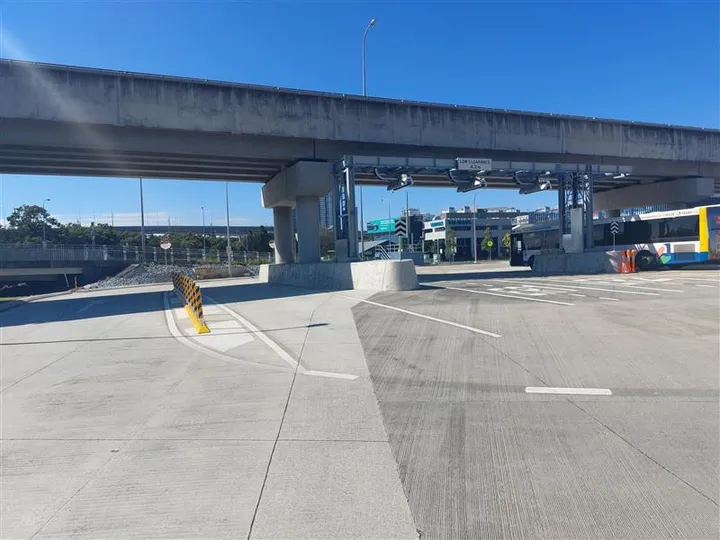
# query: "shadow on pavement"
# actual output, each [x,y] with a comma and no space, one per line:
[79,306]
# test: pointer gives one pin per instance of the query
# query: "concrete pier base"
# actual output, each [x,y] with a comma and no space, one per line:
[369,275]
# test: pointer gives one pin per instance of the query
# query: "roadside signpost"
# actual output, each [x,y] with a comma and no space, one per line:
[614,230]
[165,244]
[474,164]
[401,228]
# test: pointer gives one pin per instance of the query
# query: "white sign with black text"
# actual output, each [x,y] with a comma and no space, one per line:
[474,164]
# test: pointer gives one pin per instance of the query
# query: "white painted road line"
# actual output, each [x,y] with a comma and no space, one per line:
[699,279]
[611,299]
[330,375]
[706,286]
[517,297]
[660,289]
[282,353]
[582,287]
[178,335]
[578,295]
[571,391]
[428,317]
[553,288]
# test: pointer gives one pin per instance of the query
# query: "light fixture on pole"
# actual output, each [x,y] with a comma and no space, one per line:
[364,90]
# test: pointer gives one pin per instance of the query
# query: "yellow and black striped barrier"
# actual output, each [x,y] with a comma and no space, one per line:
[189,292]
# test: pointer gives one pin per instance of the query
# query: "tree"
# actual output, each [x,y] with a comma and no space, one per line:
[28,221]
[506,241]
[487,242]
[450,243]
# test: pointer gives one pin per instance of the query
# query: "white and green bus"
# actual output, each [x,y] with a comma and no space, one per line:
[674,237]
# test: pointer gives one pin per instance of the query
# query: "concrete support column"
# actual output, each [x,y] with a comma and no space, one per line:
[282,221]
[308,229]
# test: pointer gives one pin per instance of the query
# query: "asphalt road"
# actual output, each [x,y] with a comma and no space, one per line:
[480,457]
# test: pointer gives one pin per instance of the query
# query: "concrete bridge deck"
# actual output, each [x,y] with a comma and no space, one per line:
[78,121]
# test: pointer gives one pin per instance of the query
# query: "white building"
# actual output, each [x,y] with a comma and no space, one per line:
[461,221]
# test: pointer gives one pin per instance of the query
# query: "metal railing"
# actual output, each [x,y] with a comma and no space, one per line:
[129,254]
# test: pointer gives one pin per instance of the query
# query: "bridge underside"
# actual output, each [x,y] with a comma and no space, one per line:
[36,147]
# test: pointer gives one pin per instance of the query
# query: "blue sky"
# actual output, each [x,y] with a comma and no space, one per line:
[646,61]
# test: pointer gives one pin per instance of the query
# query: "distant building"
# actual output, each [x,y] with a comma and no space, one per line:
[326,212]
[461,221]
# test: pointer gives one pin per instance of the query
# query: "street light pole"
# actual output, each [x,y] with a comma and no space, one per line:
[227,217]
[364,90]
[474,229]
[142,222]
[44,222]
[364,40]
[407,219]
[202,209]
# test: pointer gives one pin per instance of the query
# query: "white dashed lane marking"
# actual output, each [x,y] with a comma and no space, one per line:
[571,391]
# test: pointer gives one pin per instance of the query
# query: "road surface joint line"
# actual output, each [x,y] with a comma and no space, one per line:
[568,391]
[427,317]
[282,353]
[517,297]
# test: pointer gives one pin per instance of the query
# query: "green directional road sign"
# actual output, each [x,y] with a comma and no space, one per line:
[381,226]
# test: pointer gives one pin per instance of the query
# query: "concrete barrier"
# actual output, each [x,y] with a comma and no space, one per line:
[596,262]
[369,275]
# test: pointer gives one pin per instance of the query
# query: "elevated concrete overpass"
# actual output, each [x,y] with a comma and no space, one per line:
[77,121]
[69,120]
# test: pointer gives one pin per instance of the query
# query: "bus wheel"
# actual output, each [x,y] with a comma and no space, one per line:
[531,261]
[645,260]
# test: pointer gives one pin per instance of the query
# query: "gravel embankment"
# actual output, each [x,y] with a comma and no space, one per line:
[160,273]
[142,275]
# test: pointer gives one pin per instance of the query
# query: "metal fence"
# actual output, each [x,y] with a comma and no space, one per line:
[129,254]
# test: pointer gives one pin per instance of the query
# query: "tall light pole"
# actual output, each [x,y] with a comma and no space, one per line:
[389,217]
[202,209]
[475,228]
[407,219]
[142,222]
[44,222]
[227,216]
[364,90]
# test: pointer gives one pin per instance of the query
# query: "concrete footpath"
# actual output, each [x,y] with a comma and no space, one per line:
[118,421]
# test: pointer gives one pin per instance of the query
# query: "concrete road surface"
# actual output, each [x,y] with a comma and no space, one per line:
[480,457]
[119,422]
[487,404]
